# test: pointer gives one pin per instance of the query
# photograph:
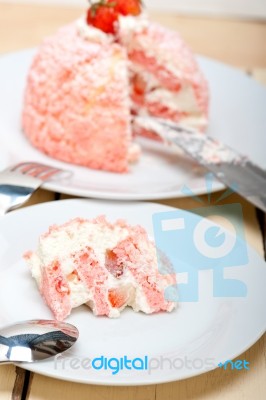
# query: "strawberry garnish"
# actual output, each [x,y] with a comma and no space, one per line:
[117,298]
[103,15]
[61,287]
[112,264]
[139,85]
[128,7]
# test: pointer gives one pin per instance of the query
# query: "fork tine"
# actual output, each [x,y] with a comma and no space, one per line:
[35,170]
[25,167]
[48,174]
[29,169]
[22,180]
[16,166]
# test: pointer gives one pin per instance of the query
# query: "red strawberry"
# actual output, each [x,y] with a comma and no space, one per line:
[128,7]
[61,287]
[112,264]
[139,85]
[117,297]
[103,15]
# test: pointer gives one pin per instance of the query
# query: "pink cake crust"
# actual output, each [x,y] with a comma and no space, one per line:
[55,290]
[76,106]
[94,277]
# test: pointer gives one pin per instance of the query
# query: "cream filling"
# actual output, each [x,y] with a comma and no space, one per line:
[134,152]
[79,294]
[59,244]
[137,299]
[129,25]
[198,122]
[149,79]
[34,262]
[182,101]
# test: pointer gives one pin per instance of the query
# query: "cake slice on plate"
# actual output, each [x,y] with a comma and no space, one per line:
[107,266]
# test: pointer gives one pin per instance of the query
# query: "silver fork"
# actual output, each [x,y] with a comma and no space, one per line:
[20,181]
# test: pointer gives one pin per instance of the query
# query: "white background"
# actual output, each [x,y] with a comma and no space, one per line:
[239,8]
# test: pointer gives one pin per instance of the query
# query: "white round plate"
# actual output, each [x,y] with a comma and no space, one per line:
[237,116]
[193,339]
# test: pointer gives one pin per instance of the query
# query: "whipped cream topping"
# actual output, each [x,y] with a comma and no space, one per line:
[133,24]
[128,24]
[183,100]
[92,34]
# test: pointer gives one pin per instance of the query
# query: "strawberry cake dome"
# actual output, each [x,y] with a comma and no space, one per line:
[106,266]
[89,80]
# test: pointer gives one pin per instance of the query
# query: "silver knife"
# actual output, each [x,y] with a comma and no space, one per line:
[230,167]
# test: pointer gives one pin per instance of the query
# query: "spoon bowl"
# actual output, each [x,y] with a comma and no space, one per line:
[35,340]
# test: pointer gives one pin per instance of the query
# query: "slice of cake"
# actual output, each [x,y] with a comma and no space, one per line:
[76,106]
[106,266]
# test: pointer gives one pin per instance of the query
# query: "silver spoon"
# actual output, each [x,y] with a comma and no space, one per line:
[35,340]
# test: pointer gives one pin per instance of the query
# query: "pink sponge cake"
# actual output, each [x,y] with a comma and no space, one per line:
[165,78]
[88,81]
[106,266]
[76,104]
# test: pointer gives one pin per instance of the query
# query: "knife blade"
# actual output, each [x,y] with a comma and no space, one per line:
[229,166]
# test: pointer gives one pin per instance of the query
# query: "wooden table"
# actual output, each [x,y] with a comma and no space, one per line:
[239,43]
